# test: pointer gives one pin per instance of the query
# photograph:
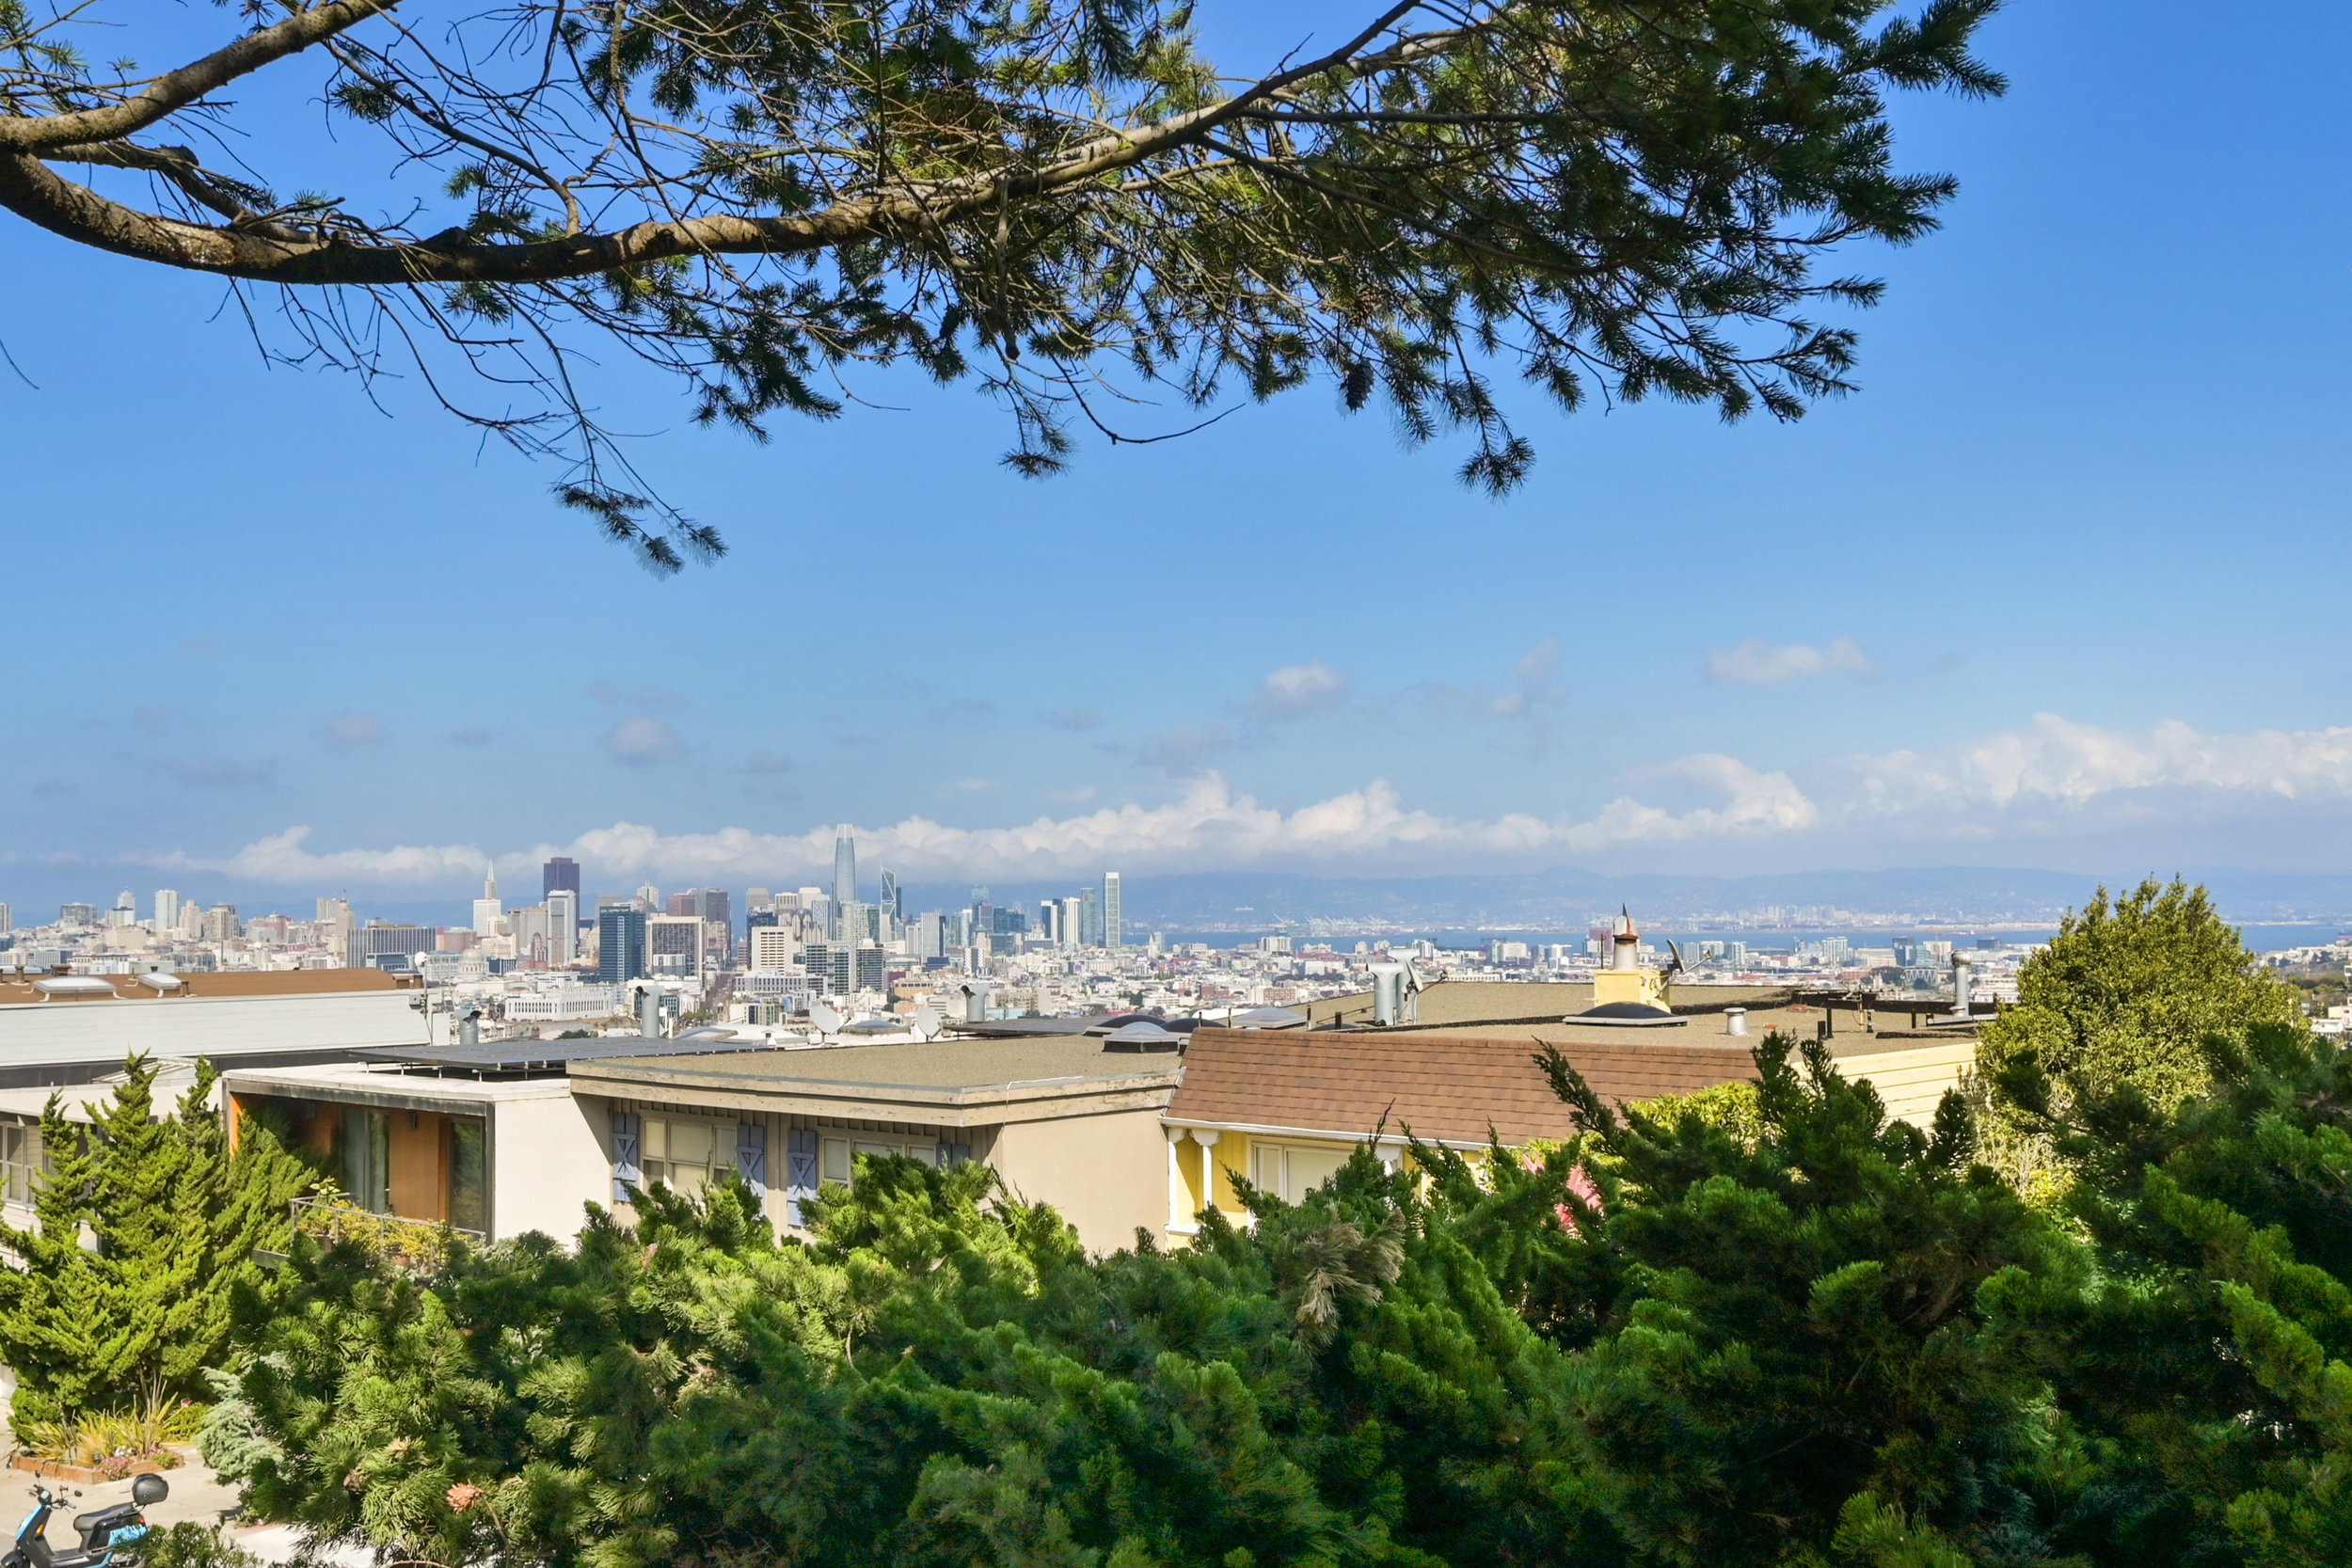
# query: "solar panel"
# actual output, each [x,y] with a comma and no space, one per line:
[542,1056]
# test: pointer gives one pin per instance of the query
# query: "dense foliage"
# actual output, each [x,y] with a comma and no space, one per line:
[144,1227]
[1758,1326]
[2208,1376]
[2128,990]
[1731,1351]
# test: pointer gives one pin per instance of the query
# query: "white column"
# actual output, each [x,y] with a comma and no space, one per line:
[1178,1197]
[1207,1140]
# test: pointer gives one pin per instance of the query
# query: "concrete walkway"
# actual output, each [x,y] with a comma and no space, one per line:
[197,1495]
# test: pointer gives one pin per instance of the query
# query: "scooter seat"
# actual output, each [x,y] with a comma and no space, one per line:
[76,1559]
[115,1516]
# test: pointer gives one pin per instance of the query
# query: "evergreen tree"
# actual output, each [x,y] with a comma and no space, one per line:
[2126,993]
[143,1223]
[1712,1348]
[2209,1372]
[57,1304]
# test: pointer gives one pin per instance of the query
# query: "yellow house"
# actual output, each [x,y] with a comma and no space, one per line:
[1285,1109]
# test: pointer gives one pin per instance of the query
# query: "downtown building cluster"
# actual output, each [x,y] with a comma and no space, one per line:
[572,962]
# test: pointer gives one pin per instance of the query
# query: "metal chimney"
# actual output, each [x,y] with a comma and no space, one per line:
[1388,993]
[470,1024]
[649,1012]
[1960,984]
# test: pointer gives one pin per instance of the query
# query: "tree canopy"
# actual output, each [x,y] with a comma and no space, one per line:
[1062,200]
[144,1225]
[2126,993]
[1712,1349]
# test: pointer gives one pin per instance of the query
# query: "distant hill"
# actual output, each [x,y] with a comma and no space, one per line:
[1567,900]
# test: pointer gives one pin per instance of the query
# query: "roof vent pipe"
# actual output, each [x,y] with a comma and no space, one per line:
[469,1025]
[1388,993]
[1960,984]
[1735,1021]
[649,1012]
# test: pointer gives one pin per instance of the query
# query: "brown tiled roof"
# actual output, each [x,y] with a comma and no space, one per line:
[1446,1088]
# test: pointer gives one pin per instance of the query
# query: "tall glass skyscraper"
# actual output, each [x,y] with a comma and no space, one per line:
[1110,910]
[560,874]
[620,945]
[844,870]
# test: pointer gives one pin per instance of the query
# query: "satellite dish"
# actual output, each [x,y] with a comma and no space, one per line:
[926,1023]
[827,1020]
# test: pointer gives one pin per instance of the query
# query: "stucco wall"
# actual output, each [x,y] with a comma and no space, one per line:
[547,1158]
[221,1027]
[1107,1174]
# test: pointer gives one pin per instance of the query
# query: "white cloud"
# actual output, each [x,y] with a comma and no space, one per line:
[2051,764]
[2058,761]
[1209,824]
[1186,750]
[283,857]
[1296,691]
[354,727]
[1757,662]
[1529,689]
[642,739]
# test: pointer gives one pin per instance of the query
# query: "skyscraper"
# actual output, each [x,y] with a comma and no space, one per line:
[560,874]
[167,911]
[1090,918]
[620,945]
[487,909]
[1111,927]
[844,867]
[893,917]
[562,926]
[1071,927]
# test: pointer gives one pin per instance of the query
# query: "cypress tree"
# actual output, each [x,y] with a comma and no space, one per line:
[143,1226]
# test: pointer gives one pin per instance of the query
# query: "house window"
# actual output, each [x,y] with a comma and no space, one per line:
[469,1174]
[1290,1171]
[837,1165]
[681,1152]
[21,1155]
[367,1140]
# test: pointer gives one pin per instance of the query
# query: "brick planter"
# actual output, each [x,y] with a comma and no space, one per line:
[82,1475]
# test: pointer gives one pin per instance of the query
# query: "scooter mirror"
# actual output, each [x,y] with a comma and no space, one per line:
[149,1490]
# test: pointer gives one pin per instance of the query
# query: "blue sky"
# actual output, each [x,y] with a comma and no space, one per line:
[2056,589]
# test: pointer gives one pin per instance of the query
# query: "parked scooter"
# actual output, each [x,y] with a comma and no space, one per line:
[104,1533]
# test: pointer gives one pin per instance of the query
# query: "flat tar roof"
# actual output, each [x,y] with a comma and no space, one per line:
[947,1066]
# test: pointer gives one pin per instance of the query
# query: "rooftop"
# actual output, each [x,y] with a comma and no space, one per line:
[988,1079]
[241,982]
[1449,1087]
[1799,1020]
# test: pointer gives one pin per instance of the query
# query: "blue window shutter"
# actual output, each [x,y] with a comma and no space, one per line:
[800,1171]
[626,1171]
[751,1158]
